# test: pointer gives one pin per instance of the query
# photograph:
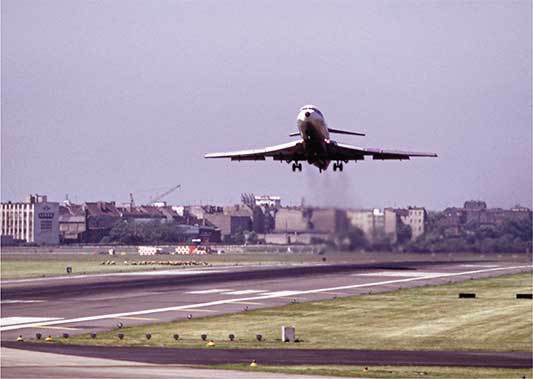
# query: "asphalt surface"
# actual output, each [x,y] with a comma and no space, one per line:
[93,303]
[166,356]
[17,364]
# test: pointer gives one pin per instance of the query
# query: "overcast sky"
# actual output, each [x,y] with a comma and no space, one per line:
[104,98]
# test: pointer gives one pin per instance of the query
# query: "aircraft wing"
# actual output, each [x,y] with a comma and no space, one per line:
[288,151]
[339,151]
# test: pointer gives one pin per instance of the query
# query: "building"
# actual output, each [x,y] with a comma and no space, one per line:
[145,213]
[101,217]
[290,220]
[375,223]
[329,220]
[35,221]
[416,218]
[454,220]
[390,224]
[267,201]
[228,224]
[72,222]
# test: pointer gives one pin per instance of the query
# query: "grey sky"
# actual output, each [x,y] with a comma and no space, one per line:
[104,98]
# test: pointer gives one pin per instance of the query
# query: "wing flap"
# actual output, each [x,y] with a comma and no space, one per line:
[286,151]
[346,152]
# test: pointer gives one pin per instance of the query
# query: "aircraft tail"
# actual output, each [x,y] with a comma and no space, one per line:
[338,131]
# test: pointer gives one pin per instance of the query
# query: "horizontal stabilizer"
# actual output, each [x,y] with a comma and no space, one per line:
[346,132]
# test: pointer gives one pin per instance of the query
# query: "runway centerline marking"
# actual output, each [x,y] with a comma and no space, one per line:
[192,307]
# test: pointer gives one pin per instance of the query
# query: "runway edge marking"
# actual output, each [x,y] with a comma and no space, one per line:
[261,297]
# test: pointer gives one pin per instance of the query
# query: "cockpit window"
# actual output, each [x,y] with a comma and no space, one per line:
[315,110]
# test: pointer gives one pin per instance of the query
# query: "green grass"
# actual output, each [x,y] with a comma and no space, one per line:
[425,318]
[34,265]
[43,265]
[34,262]
[396,372]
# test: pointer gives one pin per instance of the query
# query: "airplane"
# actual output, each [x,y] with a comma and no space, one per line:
[316,147]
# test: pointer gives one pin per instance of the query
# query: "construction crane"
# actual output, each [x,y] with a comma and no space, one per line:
[166,193]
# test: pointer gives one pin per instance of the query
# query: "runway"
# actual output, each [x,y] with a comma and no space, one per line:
[94,303]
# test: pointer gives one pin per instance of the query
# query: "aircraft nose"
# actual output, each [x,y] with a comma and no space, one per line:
[307,114]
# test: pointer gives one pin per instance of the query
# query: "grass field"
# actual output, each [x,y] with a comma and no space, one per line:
[426,318]
[43,265]
[392,372]
[19,266]
[33,262]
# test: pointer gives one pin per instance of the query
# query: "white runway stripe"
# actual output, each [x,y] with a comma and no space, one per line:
[20,301]
[283,293]
[243,292]
[9,321]
[214,290]
[403,274]
[259,297]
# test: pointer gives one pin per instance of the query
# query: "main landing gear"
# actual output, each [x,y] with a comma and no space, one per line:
[337,166]
[296,166]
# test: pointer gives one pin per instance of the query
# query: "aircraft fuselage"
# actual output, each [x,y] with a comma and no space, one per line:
[315,134]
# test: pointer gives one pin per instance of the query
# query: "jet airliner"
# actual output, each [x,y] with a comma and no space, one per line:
[315,146]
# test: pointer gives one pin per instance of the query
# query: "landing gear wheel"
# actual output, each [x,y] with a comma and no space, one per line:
[296,166]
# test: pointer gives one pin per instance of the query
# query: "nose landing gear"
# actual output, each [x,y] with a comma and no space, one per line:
[296,166]
[337,166]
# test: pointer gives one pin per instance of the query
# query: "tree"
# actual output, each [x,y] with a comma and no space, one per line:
[404,233]
[352,239]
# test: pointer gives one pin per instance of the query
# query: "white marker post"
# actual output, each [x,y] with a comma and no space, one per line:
[288,333]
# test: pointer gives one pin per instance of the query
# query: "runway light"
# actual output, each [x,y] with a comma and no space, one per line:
[211,343]
[120,336]
[93,335]
[120,325]
[65,335]
[148,336]
[189,316]
[69,270]
[231,337]
[253,364]
[259,337]
[245,308]
[20,339]
[204,337]
[38,335]
[48,339]
[176,337]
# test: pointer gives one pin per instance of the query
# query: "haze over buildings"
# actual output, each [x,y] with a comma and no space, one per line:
[101,99]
